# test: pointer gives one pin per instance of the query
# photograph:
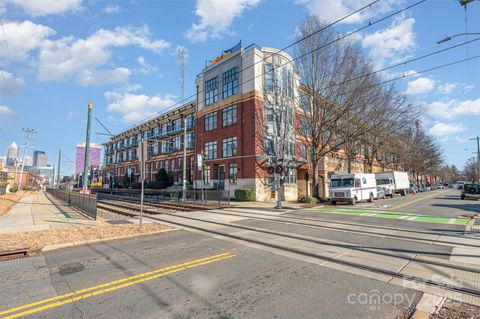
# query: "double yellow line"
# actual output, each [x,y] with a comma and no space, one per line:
[107,287]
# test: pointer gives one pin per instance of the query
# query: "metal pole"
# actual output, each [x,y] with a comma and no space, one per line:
[113,168]
[184,182]
[142,176]
[87,147]
[478,157]
[58,171]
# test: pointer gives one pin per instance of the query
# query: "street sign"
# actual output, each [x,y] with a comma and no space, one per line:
[142,157]
[199,162]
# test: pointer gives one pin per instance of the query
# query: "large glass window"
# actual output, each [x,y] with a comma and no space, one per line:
[155,148]
[229,115]
[177,125]
[211,91]
[230,83]
[210,121]
[232,173]
[164,147]
[210,150]
[176,143]
[164,129]
[206,174]
[190,119]
[229,147]
[190,140]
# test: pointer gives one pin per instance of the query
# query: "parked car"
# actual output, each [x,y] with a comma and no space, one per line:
[380,193]
[470,191]
[413,188]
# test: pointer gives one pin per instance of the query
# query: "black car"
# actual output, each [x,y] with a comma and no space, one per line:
[470,191]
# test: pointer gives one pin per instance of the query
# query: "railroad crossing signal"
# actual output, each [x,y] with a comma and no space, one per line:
[279,169]
[270,170]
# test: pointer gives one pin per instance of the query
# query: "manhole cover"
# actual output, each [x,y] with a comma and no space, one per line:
[68,269]
[119,221]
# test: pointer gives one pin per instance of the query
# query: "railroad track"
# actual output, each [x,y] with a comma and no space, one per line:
[467,271]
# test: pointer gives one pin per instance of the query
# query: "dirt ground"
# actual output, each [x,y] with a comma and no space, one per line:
[457,310]
[39,239]
[8,200]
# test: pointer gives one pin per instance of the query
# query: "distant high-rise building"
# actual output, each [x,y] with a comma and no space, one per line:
[28,161]
[95,151]
[12,154]
[40,159]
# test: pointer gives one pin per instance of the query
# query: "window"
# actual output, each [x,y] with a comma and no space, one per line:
[357,182]
[305,102]
[177,125]
[229,147]
[206,174]
[269,149]
[190,140]
[210,121]
[211,91]
[305,126]
[145,135]
[164,147]
[230,83]
[269,115]
[155,131]
[229,115]
[210,150]
[232,173]
[176,143]
[303,151]
[164,129]
[166,165]
[291,177]
[155,148]
[190,120]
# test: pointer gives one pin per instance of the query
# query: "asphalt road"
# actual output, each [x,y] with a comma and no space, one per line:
[185,274]
[251,284]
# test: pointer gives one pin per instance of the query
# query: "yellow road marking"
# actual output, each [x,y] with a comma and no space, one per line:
[112,285]
[413,201]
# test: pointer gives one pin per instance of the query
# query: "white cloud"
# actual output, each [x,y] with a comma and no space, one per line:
[454,108]
[9,84]
[447,88]
[420,86]
[113,8]
[22,38]
[37,8]
[216,16]
[135,107]
[85,60]
[395,40]
[6,111]
[444,130]
[145,67]
[330,11]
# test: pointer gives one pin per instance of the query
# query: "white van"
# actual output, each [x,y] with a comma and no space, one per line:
[352,188]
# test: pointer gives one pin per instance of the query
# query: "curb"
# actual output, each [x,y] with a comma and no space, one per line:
[93,241]
[470,224]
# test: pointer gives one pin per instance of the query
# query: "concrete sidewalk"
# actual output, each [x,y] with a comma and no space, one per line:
[36,212]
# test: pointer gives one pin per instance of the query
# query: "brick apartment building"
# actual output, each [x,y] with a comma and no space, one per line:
[164,134]
[246,113]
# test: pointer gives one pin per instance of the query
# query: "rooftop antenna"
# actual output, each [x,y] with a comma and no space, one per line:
[181,79]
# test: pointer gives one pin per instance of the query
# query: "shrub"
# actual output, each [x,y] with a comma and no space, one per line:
[307,199]
[13,190]
[245,194]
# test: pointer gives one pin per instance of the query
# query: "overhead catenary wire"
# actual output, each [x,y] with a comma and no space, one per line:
[187,99]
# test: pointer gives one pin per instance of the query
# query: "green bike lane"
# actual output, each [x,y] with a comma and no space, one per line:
[394,215]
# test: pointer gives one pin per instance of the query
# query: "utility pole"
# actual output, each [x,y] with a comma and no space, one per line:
[28,136]
[478,156]
[58,170]
[87,147]
[184,174]
[181,80]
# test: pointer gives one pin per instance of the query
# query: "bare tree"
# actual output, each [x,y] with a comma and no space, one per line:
[329,97]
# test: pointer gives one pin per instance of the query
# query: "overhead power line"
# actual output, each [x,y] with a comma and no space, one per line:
[282,50]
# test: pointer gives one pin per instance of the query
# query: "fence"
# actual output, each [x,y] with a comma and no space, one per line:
[193,195]
[83,202]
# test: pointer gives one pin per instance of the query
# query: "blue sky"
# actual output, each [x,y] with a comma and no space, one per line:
[56,55]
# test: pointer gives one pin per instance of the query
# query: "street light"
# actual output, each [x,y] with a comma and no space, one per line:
[450,37]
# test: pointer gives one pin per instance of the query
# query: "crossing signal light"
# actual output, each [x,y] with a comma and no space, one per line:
[270,170]
[279,169]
